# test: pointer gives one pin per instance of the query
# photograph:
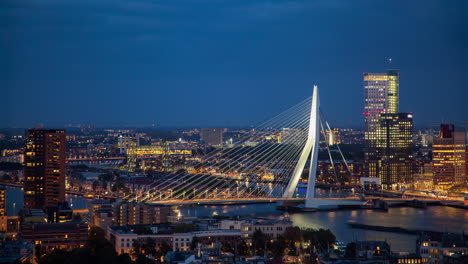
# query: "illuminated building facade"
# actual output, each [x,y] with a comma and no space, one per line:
[393,149]
[140,213]
[44,168]
[212,136]
[128,140]
[2,201]
[381,96]
[449,156]
[333,137]
[153,151]
[55,235]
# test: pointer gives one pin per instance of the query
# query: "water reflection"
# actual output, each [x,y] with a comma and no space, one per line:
[433,218]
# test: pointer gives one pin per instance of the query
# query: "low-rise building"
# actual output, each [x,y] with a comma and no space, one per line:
[103,219]
[436,248]
[124,238]
[9,225]
[142,214]
[372,249]
[271,228]
[55,235]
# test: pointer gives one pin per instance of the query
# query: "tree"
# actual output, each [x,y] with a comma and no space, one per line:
[292,234]
[39,252]
[77,217]
[6,178]
[106,177]
[325,238]
[95,185]
[242,248]
[184,228]
[292,249]
[322,238]
[277,247]
[220,217]
[227,248]
[124,259]
[194,243]
[97,250]
[164,248]
[58,256]
[118,186]
[350,250]
[149,247]
[10,166]
[142,259]
[258,241]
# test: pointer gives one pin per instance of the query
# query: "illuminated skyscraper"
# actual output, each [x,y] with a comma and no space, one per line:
[380,97]
[393,149]
[44,168]
[449,156]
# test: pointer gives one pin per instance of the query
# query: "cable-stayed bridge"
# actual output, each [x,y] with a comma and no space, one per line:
[266,164]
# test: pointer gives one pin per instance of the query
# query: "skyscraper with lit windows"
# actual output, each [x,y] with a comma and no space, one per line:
[449,157]
[44,168]
[393,149]
[381,96]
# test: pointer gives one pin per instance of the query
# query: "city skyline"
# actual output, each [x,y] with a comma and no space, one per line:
[171,64]
[234,131]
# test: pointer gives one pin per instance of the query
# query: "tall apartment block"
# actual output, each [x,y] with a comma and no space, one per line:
[449,156]
[212,136]
[393,149]
[128,140]
[44,168]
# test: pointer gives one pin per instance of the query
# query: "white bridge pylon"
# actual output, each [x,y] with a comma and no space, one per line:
[311,147]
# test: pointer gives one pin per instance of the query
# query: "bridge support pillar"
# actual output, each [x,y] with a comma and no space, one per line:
[311,147]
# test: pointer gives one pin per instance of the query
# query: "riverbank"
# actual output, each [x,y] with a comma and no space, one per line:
[396,229]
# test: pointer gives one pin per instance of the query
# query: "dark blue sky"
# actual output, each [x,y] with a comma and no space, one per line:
[225,62]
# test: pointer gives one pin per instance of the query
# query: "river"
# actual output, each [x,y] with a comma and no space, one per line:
[436,218]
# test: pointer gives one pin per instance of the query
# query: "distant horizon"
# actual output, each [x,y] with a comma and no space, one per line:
[458,127]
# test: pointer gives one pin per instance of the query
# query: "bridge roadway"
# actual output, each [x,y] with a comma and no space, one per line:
[95,159]
[227,201]
[254,200]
